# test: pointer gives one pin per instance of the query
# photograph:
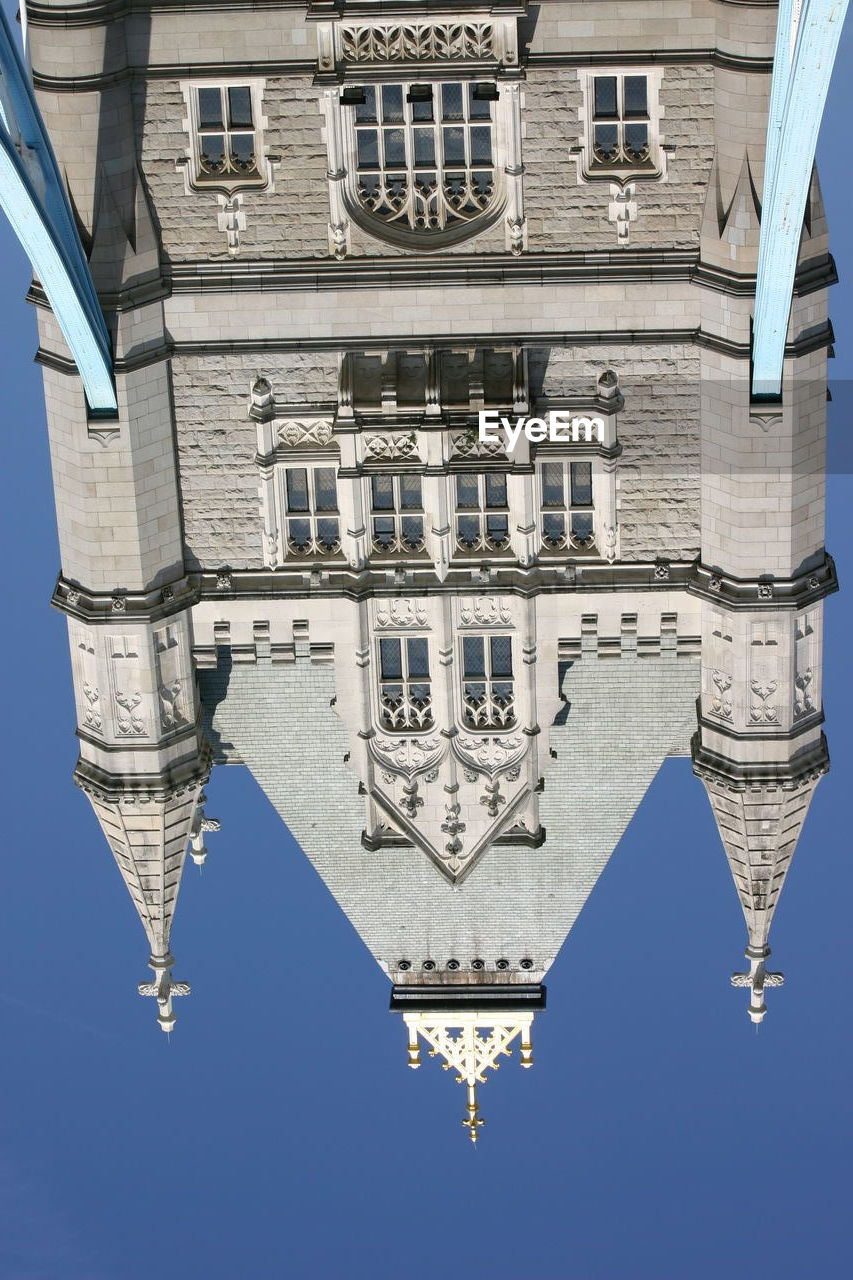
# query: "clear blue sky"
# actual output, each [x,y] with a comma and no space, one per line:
[280,1133]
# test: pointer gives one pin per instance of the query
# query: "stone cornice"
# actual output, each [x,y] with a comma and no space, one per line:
[812,341]
[601,266]
[307,67]
[805,767]
[436,992]
[119,606]
[766,592]
[305,579]
[159,786]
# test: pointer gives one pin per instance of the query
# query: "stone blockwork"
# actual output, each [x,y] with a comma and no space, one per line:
[565,213]
[657,472]
[217,444]
[291,220]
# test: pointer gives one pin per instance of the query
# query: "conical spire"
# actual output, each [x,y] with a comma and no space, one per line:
[760,822]
[149,839]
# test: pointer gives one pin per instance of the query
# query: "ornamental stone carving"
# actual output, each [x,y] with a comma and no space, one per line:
[418,42]
[387,448]
[92,714]
[130,721]
[721,703]
[466,444]
[484,611]
[489,755]
[297,433]
[407,755]
[762,711]
[401,613]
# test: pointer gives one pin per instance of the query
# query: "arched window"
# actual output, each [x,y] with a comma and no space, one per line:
[424,165]
[424,154]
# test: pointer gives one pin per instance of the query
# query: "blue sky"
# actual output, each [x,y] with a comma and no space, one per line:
[280,1133]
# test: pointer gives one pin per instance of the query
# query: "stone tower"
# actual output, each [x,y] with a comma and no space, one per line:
[326,236]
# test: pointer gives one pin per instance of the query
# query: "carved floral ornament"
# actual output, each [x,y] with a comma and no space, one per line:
[485,611]
[465,39]
[401,612]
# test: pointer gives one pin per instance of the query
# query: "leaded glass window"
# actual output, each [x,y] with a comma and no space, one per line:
[482,511]
[396,513]
[226,134]
[566,519]
[620,122]
[424,155]
[404,683]
[487,692]
[311,505]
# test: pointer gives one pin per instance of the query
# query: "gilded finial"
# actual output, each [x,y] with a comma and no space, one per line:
[473,1120]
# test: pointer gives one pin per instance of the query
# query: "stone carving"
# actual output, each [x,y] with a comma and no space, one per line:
[622,209]
[762,711]
[231,219]
[715,582]
[386,448]
[453,827]
[418,42]
[272,556]
[401,613]
[662,571]
[609,548]
[297,433]
[803,704]
[130,722]
[92,714]
[489,755]
[119,603]
[407,755]
[172,714]
[73,596]
[765,590]
[486,611]
[493,798]
[721,703]
[167,594]
[411,801]
[224,580]
[765,420]
[466,444]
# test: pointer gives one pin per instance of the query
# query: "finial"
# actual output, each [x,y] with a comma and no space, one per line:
[470,1042]
[201,824]
[757,978]
[163,989]
[473,1120]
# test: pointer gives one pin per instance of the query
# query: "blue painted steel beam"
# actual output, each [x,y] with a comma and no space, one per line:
[33,197]
[798,92]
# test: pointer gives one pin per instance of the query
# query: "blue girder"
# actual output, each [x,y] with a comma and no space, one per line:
[806,45]
[33,197]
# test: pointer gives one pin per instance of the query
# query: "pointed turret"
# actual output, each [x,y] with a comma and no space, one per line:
[149,839]
[760,823]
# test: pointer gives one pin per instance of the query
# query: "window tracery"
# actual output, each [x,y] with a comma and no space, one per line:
[225,124]
[566,505]
[397,521]
[424,154]
[488,700]
[424,164]
[405,689]
[482,511]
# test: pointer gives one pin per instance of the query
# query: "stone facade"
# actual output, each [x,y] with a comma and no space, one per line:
[497,651]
